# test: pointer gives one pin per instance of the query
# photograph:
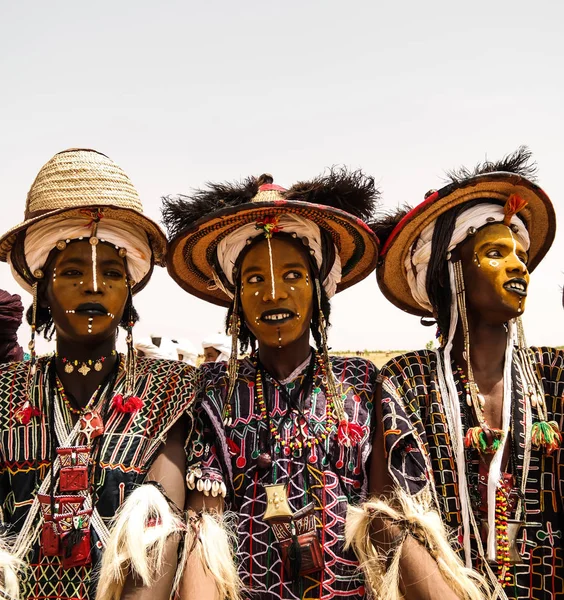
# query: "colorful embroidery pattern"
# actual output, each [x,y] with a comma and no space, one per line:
[418,448]
[328,474]
[129,445]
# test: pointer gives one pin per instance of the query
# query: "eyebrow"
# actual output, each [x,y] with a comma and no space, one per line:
[500,244]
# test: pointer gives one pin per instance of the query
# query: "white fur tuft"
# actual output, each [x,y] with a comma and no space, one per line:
[214,541]
[10,566]
[137,541]
[382,572]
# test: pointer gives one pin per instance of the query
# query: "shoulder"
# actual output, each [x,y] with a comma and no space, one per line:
[417,363]
[172,368]
[353,365]
[548,356]
[14,369]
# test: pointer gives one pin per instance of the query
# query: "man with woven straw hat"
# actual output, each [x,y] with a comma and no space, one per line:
[285,433]
[474,425]
[82,427]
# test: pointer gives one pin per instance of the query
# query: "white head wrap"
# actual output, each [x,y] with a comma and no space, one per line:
[188,351]
[42,237]
[417,260]
[221,343]
[167,349]
[232,245]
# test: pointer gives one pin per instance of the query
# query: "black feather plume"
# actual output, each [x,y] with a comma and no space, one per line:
[181,212]
[387,221]
[351,191]
[518,162]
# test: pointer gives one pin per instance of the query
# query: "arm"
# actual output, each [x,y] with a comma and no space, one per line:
[393,534]
[169,471]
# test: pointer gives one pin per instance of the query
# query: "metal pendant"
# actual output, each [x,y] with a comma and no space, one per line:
[276,502]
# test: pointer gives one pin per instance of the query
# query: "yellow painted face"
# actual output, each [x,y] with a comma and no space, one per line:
[276,292]
[86,307]
[496,277]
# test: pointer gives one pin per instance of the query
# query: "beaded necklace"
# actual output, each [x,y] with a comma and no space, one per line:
[67,402]
[303,439]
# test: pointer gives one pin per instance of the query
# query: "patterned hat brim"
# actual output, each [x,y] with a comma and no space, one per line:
[156,236]
[191,253]
[538,215]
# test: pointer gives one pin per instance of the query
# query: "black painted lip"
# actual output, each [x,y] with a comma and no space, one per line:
[516,280]
[277,311]
[91,308]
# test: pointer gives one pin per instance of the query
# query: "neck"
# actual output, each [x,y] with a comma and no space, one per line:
[80,386]
[281,362]
[487,346]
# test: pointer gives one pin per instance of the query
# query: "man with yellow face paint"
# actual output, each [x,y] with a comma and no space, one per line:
[285,434]
[473,428]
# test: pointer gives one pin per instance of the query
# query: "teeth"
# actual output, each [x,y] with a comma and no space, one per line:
[276,317]
[515,285]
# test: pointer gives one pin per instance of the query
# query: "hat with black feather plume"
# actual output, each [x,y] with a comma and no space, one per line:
[208,229]
[509,182]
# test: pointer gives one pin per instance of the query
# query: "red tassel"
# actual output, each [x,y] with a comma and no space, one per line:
[513,205]
[233,448]
[26,412]
[130,404]
[349,434]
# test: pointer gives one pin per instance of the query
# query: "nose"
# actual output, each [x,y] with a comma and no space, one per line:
[515,265]
[93,281]
[274,291]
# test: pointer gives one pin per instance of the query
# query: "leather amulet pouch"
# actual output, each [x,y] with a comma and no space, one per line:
[301,551]
[50,541]
[74,468]
[74,531]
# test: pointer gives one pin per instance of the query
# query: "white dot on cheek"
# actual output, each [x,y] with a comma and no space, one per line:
[256,293]
[494,263]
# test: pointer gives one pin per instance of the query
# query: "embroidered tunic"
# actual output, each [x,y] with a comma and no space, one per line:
[328,474]
[420,456]
[129,445]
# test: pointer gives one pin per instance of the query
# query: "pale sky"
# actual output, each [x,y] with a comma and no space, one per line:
[180,93]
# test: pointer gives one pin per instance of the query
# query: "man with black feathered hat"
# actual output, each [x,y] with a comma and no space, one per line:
[474,426]
[285,433]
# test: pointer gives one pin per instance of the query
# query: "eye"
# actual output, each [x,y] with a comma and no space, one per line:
[114,273]
[71,273]
[293,275]
[255,279]
[524,258]
[493,253]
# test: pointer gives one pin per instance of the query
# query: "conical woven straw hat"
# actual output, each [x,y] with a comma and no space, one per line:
[76,179]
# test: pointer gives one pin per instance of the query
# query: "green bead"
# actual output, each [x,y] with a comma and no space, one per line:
[255,454]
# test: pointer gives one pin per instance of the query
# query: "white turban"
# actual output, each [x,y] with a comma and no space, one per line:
[221,343]
[417,260]
[231,246]
[42,237]
[167,349]
[188,351]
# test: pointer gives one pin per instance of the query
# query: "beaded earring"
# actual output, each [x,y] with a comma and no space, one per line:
[545,435]
[129,402]
[484,438]
[348,434]
[234,329]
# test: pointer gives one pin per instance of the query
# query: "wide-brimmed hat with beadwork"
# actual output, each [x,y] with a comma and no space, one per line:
[490,182]
[76,183]
[337,203]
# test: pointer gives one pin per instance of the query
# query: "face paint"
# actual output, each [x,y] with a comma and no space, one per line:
[271,310]
[496,275]
[80,310]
